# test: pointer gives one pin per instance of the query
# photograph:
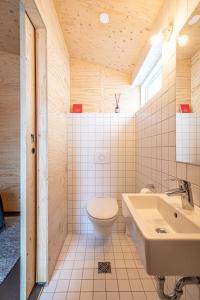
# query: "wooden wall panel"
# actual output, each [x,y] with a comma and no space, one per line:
[9,130]
[183,82]
[58,105]
[188,82]
[9,26]
[94,86]
[195,82]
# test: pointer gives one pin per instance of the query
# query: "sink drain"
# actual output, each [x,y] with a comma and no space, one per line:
[161,230]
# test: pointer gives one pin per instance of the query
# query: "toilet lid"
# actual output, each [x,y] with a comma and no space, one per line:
[102,208]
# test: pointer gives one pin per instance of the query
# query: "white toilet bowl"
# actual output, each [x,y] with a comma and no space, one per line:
[102,212]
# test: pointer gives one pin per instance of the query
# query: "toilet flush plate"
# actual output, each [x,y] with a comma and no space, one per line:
[102,157]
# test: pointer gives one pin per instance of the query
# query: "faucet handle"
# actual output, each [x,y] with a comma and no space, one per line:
[176,179]
[183,184]
[185,191]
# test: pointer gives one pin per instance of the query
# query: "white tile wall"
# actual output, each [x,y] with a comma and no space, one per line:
[156,148]
[188,137]
[89,133]
[156,143]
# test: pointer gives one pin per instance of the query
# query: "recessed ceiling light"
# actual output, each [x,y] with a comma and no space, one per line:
[104,18]
[182,40]
[194,20]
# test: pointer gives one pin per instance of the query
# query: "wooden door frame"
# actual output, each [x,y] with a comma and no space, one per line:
[29,7]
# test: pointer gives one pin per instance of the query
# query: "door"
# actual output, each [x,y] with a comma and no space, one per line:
[31,191]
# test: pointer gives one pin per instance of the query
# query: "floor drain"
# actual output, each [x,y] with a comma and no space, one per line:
[104,267]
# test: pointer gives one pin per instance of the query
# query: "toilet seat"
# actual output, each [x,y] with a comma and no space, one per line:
[102,208]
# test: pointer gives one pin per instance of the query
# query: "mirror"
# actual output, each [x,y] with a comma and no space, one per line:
[188,91]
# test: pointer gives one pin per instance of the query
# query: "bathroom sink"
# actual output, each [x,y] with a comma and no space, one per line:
[167,237]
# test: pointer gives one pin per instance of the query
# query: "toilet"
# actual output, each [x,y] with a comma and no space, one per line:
[102,212]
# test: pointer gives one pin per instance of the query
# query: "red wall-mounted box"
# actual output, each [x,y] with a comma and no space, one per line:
[77,108]
[185,108]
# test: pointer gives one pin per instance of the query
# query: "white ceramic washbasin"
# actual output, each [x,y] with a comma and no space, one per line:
[167,237]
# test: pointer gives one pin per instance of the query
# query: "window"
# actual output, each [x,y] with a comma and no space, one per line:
[152,83]
[148,80]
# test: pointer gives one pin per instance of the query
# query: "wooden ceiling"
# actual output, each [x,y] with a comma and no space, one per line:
[9,26]
[116,45]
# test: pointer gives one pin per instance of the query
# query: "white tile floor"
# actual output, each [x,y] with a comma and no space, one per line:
[76,275]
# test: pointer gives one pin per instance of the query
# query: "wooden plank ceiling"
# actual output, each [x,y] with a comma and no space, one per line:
[9,26]
[116,45]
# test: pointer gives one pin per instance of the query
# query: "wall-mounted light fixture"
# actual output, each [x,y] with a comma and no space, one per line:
[182,40]
[194,20]
[163,36]
[156,39]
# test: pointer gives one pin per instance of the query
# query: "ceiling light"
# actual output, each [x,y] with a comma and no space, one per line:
[104,18]
[163,35]
[194,20]
[182,40]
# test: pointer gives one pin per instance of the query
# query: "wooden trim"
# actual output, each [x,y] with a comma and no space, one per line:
[22,155]
[42,193]
[28,7]
[32,11]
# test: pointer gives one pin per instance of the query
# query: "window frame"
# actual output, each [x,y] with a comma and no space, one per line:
[154,74]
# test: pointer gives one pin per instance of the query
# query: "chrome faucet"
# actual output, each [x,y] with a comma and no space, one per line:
[185,191]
